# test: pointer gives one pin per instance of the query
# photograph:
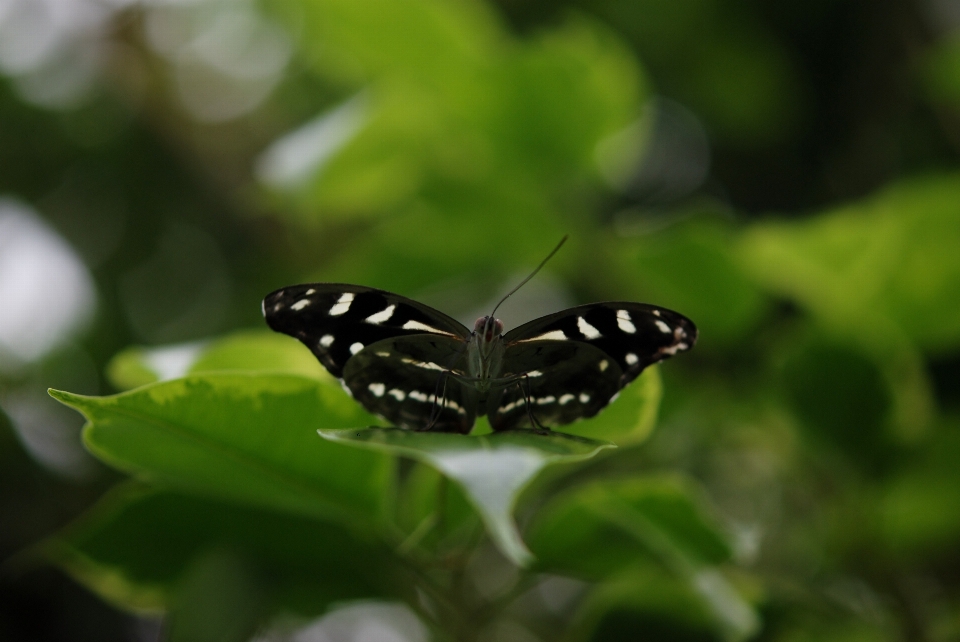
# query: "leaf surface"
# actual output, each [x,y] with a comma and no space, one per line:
[492,469]
[246,437]
[136,545]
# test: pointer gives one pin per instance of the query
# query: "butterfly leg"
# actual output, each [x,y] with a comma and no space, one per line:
[534,422]
[466,410]
[439,400]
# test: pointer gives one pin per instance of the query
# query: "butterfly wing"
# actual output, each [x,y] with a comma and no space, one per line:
[572,381]
[613,342]
[388,351]
[336,321]
[402,380]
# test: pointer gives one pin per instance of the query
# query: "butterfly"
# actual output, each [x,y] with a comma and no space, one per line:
[421,369]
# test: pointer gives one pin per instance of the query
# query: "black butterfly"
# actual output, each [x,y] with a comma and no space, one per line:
[423,370]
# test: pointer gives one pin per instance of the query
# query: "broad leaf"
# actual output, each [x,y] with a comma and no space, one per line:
[692,268]
[595,529]
[651,599]
[248,351]
[598,530]
[491,469]
[881,273]
[138,544]
[250,438]
[886,264]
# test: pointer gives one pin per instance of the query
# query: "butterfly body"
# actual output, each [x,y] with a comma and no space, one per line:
[421,369]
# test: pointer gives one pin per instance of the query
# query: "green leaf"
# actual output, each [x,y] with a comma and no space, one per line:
[692,268]
[138,546]
[249,351]
[475,134]
[881,274]
[595,529]
[887,264]
[218,598]
[436,516]
[491,469]
[250,438]
[841,398]
[647,599]
[942,71]
[919,507]
[598,530]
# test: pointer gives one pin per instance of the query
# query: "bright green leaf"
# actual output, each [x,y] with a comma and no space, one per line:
[886,264]
[250,438]
[249,351]
[881,273]
[491,469]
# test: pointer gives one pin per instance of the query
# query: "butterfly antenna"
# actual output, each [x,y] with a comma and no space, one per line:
[532,274]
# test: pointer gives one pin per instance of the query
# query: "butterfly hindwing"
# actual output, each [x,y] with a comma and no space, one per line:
[402,379]
[573,381]
[336,320]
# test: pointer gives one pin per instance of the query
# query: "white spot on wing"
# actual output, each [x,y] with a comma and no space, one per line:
[613,398]
[584,397]
[422,364]
[310,291]
[342,304]
[416,325]
[346,389]
[588,330]
[383,354]
[553,335]
[603,365]
[326,340]
[398,394]
[381,316]
[418,396]
[301,304]
[356,347]
[671,350]
[624,322]
[565,399]
[631,359]
[664,328]
[534,373]
[377,389]
[542,401]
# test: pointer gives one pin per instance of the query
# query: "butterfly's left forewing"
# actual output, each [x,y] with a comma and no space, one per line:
[611,343]
[336,320]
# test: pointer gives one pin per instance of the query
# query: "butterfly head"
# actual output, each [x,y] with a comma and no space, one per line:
[487,329]
[486,351]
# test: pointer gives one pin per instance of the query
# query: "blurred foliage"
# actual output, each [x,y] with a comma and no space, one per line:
[785,174]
